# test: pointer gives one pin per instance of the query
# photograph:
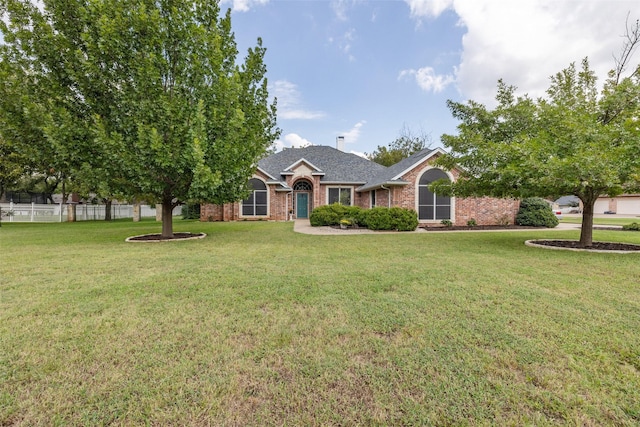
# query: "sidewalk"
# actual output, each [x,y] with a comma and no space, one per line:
[303,226]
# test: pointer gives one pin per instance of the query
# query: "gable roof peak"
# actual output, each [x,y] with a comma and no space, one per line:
[332,164]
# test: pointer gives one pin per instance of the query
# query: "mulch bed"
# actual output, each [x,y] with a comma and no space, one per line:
[598,246]
[478,227]
[158,237]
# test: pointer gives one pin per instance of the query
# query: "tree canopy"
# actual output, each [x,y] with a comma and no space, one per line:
[406,144]
[144,99]
[576,140]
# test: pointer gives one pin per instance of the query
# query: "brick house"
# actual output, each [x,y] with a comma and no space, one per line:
[289,184]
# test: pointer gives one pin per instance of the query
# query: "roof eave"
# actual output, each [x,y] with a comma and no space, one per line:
[342,182]
[266,173]
[381,185]
[435,151]
[302,160]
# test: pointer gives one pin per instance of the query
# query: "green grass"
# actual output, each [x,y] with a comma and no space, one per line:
[601,221]
[257,325]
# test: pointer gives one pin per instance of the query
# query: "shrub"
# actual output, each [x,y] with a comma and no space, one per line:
[395,218]
[634,226]
[446,223]
[377,218]
[536,212]
[472,222]
[355,215]
[326,215]
[332,214]
[403,219]
[191,211]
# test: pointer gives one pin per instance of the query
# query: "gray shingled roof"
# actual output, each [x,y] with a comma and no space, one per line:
[567,200]
[337,166]
[389,175]
[340,167]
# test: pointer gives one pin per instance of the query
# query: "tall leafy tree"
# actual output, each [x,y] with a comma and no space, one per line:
[146,98]
[406,144]
[24,146]
[10,168]
[577,140]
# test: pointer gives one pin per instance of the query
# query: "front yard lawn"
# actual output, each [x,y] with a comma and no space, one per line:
[613,220]
[257,325]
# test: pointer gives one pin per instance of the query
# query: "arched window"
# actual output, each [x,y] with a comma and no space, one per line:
[430,205]
[302,186]
[256,203]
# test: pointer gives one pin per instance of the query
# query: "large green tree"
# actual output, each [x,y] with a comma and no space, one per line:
[25,149]
[144,98]
[406,144]
[576,140]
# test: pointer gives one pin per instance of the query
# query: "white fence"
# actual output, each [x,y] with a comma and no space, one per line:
[32,212]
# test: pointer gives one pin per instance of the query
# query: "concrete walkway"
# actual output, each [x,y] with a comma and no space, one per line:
[303,226]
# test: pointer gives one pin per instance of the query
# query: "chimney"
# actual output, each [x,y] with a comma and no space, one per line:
[340,143]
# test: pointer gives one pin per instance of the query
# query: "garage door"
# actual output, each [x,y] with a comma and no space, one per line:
[629,206]
[601,206]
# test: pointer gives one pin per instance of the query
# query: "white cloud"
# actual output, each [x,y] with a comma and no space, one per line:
[428,8]
[359,153]
[344,42]
[289,102]
[428,80]
[339,8]
[291,140]
[352,135]
[526,41]
[245,5]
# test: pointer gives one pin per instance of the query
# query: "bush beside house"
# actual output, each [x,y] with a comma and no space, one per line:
[378,218]
[536,212]
[329,215]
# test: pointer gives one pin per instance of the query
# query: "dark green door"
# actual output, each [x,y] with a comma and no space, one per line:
[302,205]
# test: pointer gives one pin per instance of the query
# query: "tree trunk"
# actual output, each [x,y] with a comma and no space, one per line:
[586,233]
[167,219]
[107,209]
[65,196]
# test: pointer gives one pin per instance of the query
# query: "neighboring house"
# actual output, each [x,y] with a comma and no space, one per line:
[568,204]
[289,184]
[625,204]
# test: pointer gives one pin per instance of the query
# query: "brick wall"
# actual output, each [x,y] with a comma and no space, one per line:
[278,208]
[226,212]
[210,212]
[382,198]
[362,199]
[486,211]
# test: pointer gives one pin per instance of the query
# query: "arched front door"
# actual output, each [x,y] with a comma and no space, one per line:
[302,189]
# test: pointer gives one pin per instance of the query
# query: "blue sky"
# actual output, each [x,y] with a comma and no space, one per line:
[367,69]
